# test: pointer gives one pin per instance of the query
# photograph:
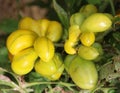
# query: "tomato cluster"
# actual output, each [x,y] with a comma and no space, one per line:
[32,46]
[81,46]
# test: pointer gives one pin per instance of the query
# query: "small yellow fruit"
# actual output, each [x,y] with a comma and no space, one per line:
[74,33]
[45,68]
[28,23]
[54,31]
[52,69]
[44,23]
[44,47]
[19,40]
[88,53]
[23,62]
[97,22]
[57,74]
[87,38]
[88,9]
[77,19]
[69,47]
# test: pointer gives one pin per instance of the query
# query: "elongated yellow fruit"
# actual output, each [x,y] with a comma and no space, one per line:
[23,62]
[28,23]
[97,22]
[74,33]
[19,40]
[69,47]
[44,47]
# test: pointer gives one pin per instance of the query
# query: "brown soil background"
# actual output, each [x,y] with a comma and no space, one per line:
[13,8]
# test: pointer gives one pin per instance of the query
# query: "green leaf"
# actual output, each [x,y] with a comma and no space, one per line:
[8,25]
[4,63]
[70,3]
[117,63]
[94,1]
[7,83]
[116,36]
[106,70]
[62,14]
[35,77]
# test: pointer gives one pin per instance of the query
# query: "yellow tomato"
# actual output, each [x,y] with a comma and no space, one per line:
[69,47]
[88,53]
[54,31]
[28,23]
[88,9]
[57,74]
[52,69]
[87,38]
[45,68]
[44,23]
[44,47]
[23,62]
[19,40]
[97,22]
[83,73]
[74,33]
[77,19]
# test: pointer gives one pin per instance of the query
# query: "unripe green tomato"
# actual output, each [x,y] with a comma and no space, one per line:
[88,9]
[83,73]
[97,22]
[77,19]
[99,48]
[68,60]
[88,53]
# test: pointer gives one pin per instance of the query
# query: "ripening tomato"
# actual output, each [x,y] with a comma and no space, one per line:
[97,22]
[83,72]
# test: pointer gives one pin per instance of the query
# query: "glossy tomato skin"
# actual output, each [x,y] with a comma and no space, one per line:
[83,72]
[45,48]
[97,22]
[20,40]
[77,19]
[52,69]
[23,62]
[87,38]
[88,9]
[88,53]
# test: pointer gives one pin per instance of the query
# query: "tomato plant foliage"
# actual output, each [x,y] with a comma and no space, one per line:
[107,65]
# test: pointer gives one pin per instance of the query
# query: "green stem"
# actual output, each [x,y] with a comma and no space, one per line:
[13,86]
[38,83]
[59,44]
[112,6]
[50,88]
[10,83]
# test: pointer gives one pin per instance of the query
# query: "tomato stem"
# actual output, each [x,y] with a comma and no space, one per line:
[68,85]
[112,6]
